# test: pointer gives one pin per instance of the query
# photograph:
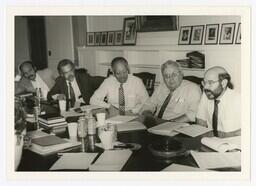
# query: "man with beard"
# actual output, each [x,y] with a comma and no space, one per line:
[175,100]
[32,79]
[124,92]
[74,85]
[219,106]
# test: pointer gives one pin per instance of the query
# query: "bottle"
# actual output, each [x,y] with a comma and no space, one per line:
[91,133]
[82,132]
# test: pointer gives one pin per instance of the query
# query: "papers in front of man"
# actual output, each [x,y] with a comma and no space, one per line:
[179,167]
[130,126]
[215,160]
[111,160]
[74,161]
[167,128]
[222,144]
[120,119]
[193,130]
[48,144]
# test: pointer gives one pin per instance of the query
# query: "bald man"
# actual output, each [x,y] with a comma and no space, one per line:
[219,107]
[175,100]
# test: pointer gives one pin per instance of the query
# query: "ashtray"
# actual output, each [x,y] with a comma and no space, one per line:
[167,148]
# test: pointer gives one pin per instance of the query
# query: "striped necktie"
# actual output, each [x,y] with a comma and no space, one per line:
[215,118]
[166,102]
[121,100]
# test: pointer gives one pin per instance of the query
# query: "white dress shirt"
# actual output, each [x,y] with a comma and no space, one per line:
[39,83]
[184,100]
[229,111]
[134,92]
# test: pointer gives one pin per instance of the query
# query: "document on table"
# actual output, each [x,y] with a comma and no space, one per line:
[120,119]
[167,128]
[76,161]
[71,113]
[179,167]
[130,126]
[214,160]
[193,130]
[111,160]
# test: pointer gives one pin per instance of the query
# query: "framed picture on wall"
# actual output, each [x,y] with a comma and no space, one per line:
[110,39]
[184,36]
[90,38]
[129,31]
[211,34]
[118,37]
[227,33]
[103,38]
[197,35]
[238,34]
[97,38]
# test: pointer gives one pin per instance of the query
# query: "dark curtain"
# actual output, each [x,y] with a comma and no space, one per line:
[37,38]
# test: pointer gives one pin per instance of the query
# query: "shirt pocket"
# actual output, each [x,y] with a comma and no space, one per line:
[131,100]
[179,106]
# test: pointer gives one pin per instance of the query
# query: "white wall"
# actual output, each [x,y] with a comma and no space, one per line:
[228,56]
[21,41]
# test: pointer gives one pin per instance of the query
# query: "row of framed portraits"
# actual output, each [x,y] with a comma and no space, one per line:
[127,36]
[193,35]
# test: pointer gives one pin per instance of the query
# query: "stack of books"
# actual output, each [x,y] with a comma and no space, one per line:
[53,122]
[195,60]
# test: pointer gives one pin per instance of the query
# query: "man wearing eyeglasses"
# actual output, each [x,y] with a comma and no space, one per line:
[175,100]
[219,107]
[74,85]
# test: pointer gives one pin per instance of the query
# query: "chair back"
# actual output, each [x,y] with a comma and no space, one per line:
[148,80]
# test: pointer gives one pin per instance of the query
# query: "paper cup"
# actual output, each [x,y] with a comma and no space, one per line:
[101,118]
[72,131]
[62,105]
[106,138]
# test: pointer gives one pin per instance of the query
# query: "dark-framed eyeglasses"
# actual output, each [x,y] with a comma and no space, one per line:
[209,83]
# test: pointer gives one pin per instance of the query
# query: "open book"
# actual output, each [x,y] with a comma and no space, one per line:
[222,144]
[167,128]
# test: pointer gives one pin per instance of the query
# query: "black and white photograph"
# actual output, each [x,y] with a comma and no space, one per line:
[184,36]
[227,33]
[211,34]
[168,104]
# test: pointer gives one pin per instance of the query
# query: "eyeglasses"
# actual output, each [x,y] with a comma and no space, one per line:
[172,76]
[210,82]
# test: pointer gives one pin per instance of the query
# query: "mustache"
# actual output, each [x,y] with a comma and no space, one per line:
[208,91]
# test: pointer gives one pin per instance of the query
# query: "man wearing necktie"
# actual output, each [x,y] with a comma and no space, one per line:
[174,100]
[219,106]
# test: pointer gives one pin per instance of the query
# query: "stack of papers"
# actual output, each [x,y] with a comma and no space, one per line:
[193,130]
[214,160]
[130,126]
[178,167]
[76,161]
[167,128]
[111,160]
[120,119]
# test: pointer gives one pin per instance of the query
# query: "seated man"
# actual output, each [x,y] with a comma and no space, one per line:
[219,107]
[32,79]
[176,99]
[73,84]
[124,92]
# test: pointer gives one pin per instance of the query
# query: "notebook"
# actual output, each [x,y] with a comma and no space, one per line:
[111,160]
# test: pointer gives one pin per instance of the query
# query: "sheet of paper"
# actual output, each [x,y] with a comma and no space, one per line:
[76,161]
[167,128]
[120,119]
[179,167]
[71,113]
[193,130]
[111,160]
[213,160]
[236,140]
[130,126]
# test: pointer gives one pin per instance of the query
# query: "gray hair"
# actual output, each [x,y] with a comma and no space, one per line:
[171,63]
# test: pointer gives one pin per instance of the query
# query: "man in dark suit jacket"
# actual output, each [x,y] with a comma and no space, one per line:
[74,85]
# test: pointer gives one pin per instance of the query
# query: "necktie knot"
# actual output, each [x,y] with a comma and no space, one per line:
[216,101]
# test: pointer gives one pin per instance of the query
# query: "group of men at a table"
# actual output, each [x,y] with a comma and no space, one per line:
[216,105]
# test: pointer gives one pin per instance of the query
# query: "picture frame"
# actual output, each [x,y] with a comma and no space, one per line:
[90,38]
[118,38]
[103,38]
[97,38]
[129,31]
[197,35]
[227,33]
[211,34]
[238,34]
[110,38]
[184,35]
